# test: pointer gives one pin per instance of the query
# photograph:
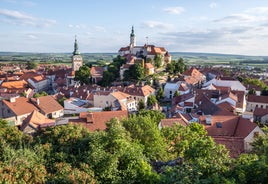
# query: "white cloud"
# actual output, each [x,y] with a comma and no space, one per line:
[156,24]
[99,29]
[21,18]
[31,36]
[213,5]
[174,10]
[257,10]
[238,18]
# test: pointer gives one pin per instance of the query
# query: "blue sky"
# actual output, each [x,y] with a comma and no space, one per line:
[219,26]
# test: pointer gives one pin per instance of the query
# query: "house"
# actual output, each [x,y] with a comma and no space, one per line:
[260,115]
[96,73]
[39,83]
[16,109]
[77,105]
[235,132]
[171,87]
[115,100]
[254,101]
[149,69]
[48,106]
[139,92]
[97,120]
[233,84]
[193,77]
[35,121]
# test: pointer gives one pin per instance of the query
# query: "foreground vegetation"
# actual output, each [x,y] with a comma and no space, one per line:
[131,151]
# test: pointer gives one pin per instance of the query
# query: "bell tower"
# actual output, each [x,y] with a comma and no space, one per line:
[132,38]
[77,60]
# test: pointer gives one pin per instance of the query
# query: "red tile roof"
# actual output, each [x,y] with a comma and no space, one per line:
[21,106]
[171,121]
[257,99]
[37,120]
[47,104]
[97,120]
[260,111]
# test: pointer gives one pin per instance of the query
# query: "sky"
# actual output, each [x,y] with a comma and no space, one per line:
[206,26]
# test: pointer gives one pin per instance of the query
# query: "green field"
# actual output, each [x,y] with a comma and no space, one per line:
[204,59]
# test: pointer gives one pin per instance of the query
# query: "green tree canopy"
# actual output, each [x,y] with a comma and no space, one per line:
[83,75]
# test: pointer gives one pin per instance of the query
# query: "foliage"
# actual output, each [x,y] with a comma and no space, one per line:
[160,94]
[141,104]
[144,129]
[31,65]
[177,93]
[43,93]
[83,75]
[175,67]
[107,79]
[158,60]
[151,100]
[61,101]
[135,72]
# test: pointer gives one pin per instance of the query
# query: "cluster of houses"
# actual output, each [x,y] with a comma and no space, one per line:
[221,104]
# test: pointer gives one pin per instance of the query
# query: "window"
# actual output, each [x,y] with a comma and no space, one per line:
[218,124]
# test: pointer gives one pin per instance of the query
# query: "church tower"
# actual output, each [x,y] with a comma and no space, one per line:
[132,39]
[77,60]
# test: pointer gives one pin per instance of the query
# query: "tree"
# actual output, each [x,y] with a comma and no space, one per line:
[31,65]
[202,158]
[158,60]
[141,105]
[145,130]
[177,93]
[43,93]
[83,75]
[160,94]
[180,66]
[151,101]
[135,72]
[107,79]
[61,101]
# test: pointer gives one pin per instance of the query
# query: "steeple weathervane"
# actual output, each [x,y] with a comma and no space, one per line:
[76,52]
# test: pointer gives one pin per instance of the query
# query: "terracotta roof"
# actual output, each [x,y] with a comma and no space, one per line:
[21,106]
[120,95]
[171,121]
[96,71]
[235,145]
[38,78]
[37,120]
[258,99]
[260,111]
[192,72]
[15,84]
[97,120]
[47,104]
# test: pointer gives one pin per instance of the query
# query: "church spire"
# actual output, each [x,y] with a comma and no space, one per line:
[132,38]
[76,52]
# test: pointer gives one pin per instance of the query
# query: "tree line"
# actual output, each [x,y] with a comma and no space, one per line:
[132,150]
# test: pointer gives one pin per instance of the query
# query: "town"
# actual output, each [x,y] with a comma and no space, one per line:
[231,105]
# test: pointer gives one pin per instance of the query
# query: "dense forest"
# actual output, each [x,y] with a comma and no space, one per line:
[133,150]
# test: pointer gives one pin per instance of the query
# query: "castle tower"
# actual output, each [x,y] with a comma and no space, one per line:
[77,60]
[132,38]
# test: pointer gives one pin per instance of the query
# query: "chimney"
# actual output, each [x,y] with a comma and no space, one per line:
[37,101]
[208,120]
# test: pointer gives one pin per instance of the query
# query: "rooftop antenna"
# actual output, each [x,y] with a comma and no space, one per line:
[146,40]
